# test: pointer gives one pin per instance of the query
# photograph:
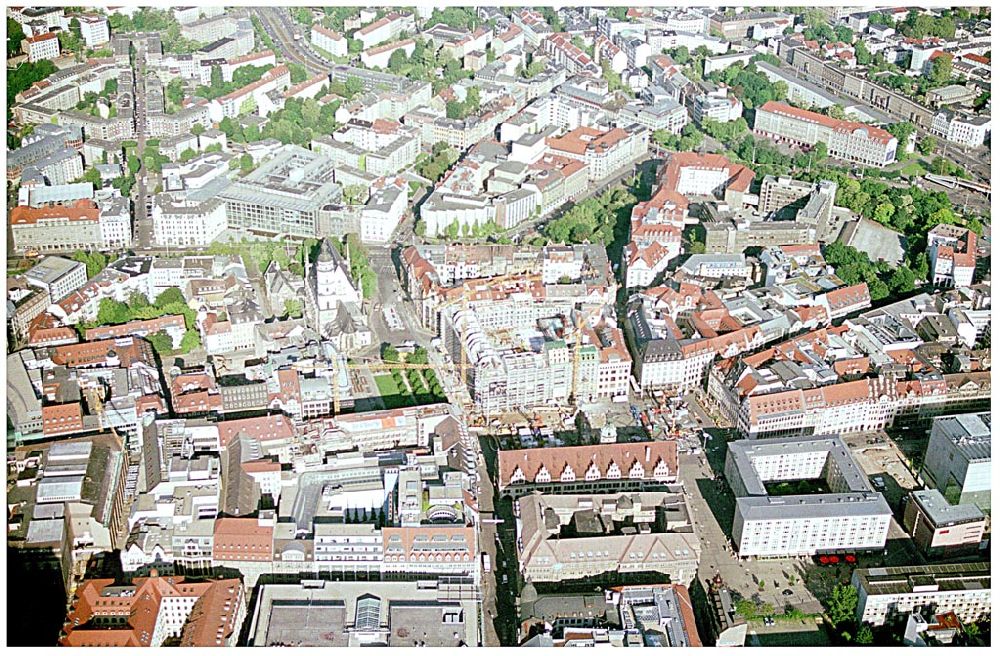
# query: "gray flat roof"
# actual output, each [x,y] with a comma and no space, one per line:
[903,580]
[942,513]
[744,451]
[970,433]
[813,505]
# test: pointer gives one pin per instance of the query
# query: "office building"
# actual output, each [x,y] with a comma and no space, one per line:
[847,140]
[180,222]
[284,195]
[957,462]
[886,593]
[148,611]
[940,528]
[569,537]
[58,276]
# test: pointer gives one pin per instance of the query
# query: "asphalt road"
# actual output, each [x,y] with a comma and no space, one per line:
[278,25]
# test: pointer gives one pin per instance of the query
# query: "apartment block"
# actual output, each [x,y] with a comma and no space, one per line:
[328,40]
[389,27]
[952,252]
[850,517]
[94,30]
[42,46]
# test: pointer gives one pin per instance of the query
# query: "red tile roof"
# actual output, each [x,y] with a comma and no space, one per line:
[782,109]
[242,539]
[582,459]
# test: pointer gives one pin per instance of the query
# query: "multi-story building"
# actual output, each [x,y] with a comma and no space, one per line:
[253,98]
[604,152]
[850,517]
[44,140]
[887,593]
[952,252]
[379,56]
[847,140]
[740,25]
[601,468]
[181,222]
[567,537]
[372,613]
[718,106]
[940,528]
[58,168]
[566,55]
[964,129]
[58,276]
[210,29]
[149,611]
[42,46]
[958,461]
[379,147]
[94,30]
[328,40]
[82,225]
[385,210]
[389,27]
[284,195]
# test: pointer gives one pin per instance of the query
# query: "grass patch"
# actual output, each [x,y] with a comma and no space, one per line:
[392,396]
[913,169]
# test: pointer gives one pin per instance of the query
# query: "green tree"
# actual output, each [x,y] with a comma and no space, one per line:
[246,162]
[190,341]
[14,37]
[293,308]
[940,72]
[93,260]
[162,342]
[861,54]
[297,72]
[398,61]
[111,312]
[302,15]
[168,297]
[175,91]
[842,604]
[927,145]
[864,636]
[836,111]
[389,353]
[137,301]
